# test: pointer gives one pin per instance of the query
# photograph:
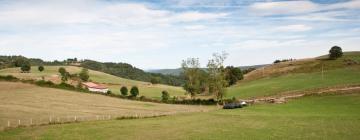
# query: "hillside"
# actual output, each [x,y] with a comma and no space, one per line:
[24,101]
[316,117]
[283,78]
[113,82]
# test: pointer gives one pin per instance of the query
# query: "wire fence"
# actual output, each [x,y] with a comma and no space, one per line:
[25,122]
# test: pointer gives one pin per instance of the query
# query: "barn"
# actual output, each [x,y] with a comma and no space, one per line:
[95,87]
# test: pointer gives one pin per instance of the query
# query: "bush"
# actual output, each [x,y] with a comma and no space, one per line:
[26,67]
[165,96]
[41,68]
[134,91]
[335,52]
[44,83]
[124,91]
[8,78]
[109,92]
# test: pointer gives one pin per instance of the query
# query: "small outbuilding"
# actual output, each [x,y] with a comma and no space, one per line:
[95,87]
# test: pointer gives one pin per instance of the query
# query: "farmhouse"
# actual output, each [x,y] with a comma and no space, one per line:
[95,87]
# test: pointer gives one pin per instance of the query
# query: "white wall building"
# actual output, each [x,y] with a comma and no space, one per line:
[95,87]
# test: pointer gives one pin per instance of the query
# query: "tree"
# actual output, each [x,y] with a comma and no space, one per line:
[165,96]
[41,68]
[233,74]
[64,74]
[84,75]
[277,61]
[217,81]
[25,67]
[155,80]
[124,91]
[192,73]
[134,91]
[335,52]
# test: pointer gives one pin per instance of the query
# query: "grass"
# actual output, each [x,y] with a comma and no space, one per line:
[314,117]
[25,101]
[291,82]
[113,82]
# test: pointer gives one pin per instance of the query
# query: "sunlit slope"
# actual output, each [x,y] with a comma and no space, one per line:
[24,101]
[299,75]
[113,82]
[324,117]
[305,66]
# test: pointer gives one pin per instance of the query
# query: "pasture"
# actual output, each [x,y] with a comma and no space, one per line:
[113,82]
[294,82]
[24,102]
[315,117]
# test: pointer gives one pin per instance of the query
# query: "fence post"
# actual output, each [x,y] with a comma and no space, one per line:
[50,119]
[19,122]
[75,118]
[8,123]
[31,121]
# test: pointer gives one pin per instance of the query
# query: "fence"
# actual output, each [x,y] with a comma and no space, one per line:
[14,123]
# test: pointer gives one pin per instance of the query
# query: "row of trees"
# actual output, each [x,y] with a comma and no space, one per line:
[65,75]
[213,80]
[134,91]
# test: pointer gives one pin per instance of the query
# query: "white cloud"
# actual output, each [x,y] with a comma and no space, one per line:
[283,7]
[195,27]
[293,28]
[263,44]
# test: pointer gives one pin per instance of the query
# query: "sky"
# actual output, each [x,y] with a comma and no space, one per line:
[157,34]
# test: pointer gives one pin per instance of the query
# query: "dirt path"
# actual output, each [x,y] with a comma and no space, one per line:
[283,97]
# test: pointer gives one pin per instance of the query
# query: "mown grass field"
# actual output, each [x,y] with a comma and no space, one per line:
[294,82]
[113,82]
[24,102]
[316,117]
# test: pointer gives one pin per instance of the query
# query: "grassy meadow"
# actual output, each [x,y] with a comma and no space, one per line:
[315,117]
[294,82]
[113,82]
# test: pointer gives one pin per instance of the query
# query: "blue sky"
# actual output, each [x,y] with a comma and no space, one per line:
[160,33]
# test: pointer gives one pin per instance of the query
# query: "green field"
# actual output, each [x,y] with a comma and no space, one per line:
[316,117]
[113,82]
[294,82]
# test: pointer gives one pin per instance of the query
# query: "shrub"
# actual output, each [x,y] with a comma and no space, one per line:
[84,75]
[109,92]
[277,61]
[124,91]
[41,68]
[134,91]
[25,67]
[44,83]
[8,78]
[335,52]
[165,96]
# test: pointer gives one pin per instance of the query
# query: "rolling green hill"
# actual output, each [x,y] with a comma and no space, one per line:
[299,75]
[113,82]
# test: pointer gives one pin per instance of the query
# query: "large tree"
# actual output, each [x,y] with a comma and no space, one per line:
[84,74]
[217,81]
[64,74]
[335,52]
[192,73]
[25,66]
[233,74]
